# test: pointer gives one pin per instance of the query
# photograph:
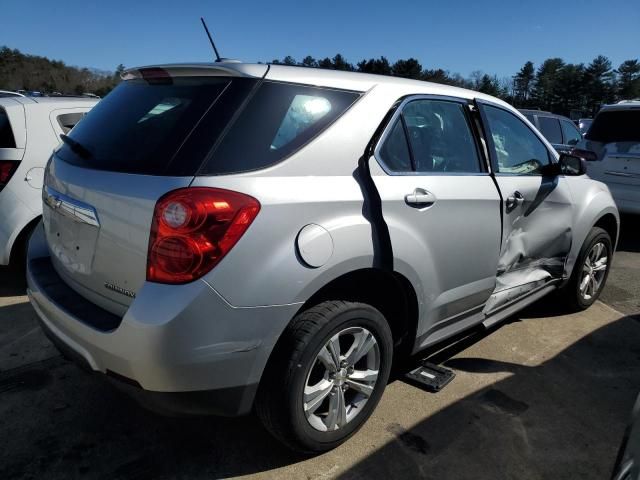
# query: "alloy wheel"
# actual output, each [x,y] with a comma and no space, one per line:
[341,379]
[593,271]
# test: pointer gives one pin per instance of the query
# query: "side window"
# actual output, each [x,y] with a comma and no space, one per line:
[550,128]
[571,134]
[530,118]
[440,139]
[69,120]
[517,149]
[395,150]
[6,134]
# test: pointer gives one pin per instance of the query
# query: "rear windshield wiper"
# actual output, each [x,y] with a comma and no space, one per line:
[76,147]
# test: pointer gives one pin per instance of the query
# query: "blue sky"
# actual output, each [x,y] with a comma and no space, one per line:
[457,35]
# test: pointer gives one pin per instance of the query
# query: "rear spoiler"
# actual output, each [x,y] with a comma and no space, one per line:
[222,69]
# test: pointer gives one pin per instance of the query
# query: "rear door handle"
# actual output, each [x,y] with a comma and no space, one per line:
[515,200]
[420,198]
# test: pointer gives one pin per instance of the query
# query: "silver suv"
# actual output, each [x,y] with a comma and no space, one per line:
[227,236]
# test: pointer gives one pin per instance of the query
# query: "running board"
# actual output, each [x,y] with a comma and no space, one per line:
[513,308]
[430,377]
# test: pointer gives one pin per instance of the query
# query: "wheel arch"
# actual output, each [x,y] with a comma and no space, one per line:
[390,292]
[20,241]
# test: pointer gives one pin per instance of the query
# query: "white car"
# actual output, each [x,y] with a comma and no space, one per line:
[30,129]
[614,138]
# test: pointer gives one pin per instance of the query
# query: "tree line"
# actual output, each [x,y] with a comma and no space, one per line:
[19,71]
[560,87]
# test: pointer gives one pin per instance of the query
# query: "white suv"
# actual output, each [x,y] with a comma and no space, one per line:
[30,129]
[614,137]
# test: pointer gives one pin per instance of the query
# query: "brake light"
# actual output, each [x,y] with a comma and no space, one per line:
[7,169]
[193,229]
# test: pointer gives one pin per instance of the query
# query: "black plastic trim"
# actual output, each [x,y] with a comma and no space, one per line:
[52,285]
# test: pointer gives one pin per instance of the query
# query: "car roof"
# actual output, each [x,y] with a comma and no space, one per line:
[312,76]
[624,105]
[50,101]
[542,113]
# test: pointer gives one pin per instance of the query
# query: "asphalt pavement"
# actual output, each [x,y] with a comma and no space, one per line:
[545,395]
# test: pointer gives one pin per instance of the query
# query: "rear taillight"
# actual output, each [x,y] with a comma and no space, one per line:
[7,169]
[193,229]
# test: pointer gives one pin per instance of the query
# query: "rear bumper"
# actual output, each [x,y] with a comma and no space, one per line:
[178,348]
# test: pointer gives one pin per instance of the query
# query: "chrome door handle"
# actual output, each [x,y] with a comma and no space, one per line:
[514,200]
[420,198]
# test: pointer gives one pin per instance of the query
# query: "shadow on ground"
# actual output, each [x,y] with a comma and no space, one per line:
[12,283]
[629,240]
[557,420]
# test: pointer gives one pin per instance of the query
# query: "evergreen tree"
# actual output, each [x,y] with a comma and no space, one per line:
[629,80]
[523,84]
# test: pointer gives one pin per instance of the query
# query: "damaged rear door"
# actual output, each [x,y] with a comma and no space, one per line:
[536,207]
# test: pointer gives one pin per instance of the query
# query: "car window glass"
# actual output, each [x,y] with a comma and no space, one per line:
[278,120]
[615,126]
[440,138]
[69,120]
[517,149]
[571,133]
[530,118]
[6,134]
[550,128]
[395,151]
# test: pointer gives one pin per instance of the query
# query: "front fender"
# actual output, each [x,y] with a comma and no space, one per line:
[592,201]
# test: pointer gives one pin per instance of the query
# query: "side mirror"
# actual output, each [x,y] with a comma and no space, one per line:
[588,155]
[572,165]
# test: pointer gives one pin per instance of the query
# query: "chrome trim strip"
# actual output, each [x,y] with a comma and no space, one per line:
[69,207]
[622,174]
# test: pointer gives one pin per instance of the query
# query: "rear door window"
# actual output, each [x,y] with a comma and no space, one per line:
[278,120]
[615,126]
[570,132]
[395,150]
[7,139]
[431,136]
[550,128]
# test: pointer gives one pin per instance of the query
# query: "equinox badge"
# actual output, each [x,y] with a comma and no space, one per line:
[120,290]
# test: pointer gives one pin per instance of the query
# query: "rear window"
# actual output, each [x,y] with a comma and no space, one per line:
[6,134]
[615,126]
[208,125]
[550,128]
[278,120]
[141,125]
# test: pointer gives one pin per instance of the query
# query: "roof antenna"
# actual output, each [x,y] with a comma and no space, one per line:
[218,59]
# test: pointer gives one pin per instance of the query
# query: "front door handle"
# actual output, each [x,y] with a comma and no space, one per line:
[515,200]
[420,198]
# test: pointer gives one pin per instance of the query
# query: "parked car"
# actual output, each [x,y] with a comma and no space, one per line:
[29,131]
[9,93]
[627,466]
[584,124]
[614,139]
[559,130]
[228,236]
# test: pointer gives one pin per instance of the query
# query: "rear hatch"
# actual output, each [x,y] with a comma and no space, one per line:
[615,137]
[147,137]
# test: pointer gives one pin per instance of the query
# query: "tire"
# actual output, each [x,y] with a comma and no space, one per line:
[301,358]
[571,293]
